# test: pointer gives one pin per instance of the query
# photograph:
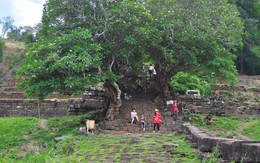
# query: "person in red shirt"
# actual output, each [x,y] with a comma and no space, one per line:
[156,120]
[175,110]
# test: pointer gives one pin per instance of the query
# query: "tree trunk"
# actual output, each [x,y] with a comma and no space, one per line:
[115,101]
[163,91]
[241,57]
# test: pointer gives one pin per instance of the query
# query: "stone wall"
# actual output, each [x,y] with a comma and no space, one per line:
[226,99]
[230,149]
[249,80]
[24,107]
[13,102]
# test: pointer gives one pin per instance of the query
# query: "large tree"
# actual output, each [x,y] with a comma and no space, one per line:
[195,36]
[88,42]
[67,62]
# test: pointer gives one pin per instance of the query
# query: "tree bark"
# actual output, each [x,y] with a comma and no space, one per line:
[241,57]
[114,93]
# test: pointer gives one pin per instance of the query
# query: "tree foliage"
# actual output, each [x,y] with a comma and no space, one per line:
[86,42]
[69,64]
[111,29]
[194,36]
[7,24]
[248,60]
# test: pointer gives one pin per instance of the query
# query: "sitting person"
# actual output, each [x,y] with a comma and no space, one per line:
[208,120]
[134,116]
[143,123]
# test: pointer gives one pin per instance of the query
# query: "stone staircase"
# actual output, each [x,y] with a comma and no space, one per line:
[141,104]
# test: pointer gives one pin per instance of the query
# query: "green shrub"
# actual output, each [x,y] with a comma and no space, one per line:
[183,81]
[12,60]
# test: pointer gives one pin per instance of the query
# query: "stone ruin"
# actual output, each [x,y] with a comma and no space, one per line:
[93,99]
[230,149]
[13,102]
[224,100]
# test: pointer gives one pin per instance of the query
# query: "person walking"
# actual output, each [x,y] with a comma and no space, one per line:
[175,110]
[156,120]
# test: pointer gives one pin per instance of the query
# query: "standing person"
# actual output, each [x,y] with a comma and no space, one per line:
[154,72]
[143,69]
[150,69]
[143,123]
[156,120]
[134,116]
[175,110]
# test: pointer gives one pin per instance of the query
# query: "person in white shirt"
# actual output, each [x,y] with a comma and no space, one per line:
[150,69]
[133,116]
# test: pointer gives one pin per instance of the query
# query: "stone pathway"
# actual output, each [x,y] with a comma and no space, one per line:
[142,147]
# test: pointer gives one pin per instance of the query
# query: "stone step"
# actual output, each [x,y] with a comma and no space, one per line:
[12,89]
[16,95]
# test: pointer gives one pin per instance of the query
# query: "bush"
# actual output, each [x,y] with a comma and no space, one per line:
[183,81]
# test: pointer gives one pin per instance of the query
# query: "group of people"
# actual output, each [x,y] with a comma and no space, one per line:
[156,117]
[151,70]
[143,122]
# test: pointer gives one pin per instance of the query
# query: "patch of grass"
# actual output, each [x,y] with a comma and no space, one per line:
[252,130]
[12,130]
[96,148]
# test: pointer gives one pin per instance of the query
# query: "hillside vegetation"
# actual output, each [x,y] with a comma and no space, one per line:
[13,55]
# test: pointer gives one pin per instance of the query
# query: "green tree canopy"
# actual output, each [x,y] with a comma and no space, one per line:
[86,42]
[68,64]
[194,36]
[248,60]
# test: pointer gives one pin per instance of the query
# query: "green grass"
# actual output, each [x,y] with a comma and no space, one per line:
[252,130]
[115,147]
[16,133]
[13,130]
[229,125]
